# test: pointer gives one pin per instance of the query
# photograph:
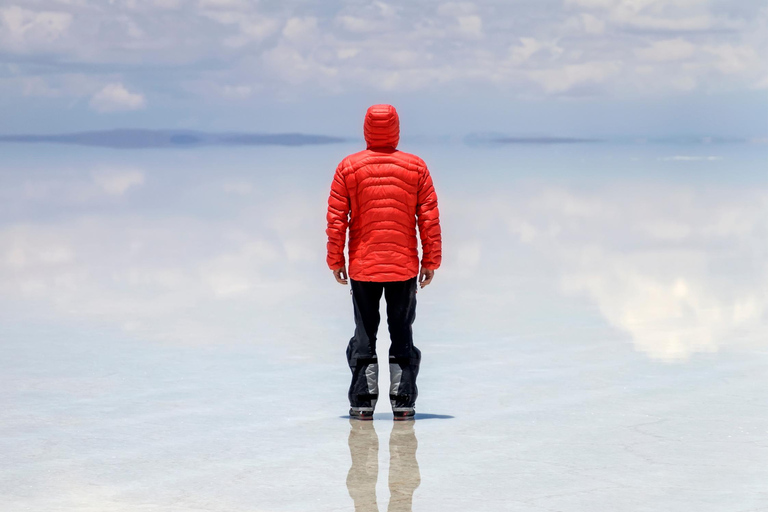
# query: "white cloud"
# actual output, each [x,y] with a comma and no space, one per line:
[237,91]
[225,4]
[530,46]
[242,188]
[684,83]
[25,30]
[251,27]
[643,254]
[735,59]
[394,46]
[670,15]
[295,67]
[115,97]
[116,182]
[300,28]
[591,4]
[761,84]
[347,53]
[168,4]
[690,158]
[667,50]
[456,9]
[471,25]
[62,85]
[367,22]
[164,278]
[557,80]
[592,24]
[468,256]
[658,23]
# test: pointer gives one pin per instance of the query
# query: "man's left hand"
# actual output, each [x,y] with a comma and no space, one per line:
[425,276]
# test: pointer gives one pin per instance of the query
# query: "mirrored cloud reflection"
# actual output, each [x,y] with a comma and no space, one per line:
[231,257]
[680,269]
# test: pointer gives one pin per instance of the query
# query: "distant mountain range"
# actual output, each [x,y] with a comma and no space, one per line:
[136,138]
[493,138]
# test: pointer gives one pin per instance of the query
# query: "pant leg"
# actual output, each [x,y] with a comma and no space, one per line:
[404,475]
[361,350]
[362,475]
[404,357]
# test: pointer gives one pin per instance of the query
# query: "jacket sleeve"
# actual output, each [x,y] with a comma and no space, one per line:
[429,222]
[338,220]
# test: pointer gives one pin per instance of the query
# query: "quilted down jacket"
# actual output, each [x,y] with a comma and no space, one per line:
[381,194]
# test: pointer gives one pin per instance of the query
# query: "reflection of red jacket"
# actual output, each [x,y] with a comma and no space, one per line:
[380,193]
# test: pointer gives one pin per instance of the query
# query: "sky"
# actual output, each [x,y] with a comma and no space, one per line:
[525,67]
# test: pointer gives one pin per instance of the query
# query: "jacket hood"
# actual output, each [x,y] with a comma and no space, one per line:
[381,127]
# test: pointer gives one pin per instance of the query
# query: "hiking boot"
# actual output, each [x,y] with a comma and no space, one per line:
[404,415]
[360,415]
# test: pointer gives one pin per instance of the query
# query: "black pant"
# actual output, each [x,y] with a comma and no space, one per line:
[404,358]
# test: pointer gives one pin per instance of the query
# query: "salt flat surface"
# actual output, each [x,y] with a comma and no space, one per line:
[597,337]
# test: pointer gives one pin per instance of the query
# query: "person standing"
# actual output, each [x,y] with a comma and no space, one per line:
[381,194]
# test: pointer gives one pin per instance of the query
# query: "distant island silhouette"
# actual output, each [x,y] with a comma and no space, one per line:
[129,138]
[139,138]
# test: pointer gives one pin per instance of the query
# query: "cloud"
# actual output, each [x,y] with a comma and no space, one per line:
[669,15]
[591,4]
[25,30]
[209,258]
[371,18]
[643,255]
[162,278]
[237,91]
[118,182]
[300,28]
[530,46]
[689,158]
[228,49]
[456,9]
[465,14]
[225,4]
[168,4]
[667,50]
[252,27]
[296,66]
[565,78]
[733,59]
[592,24]
[471,25]
[115,98]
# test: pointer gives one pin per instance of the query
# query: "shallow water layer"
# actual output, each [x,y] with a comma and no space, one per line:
[597,337]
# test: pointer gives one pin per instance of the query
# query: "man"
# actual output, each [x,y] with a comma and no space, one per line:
[381,194]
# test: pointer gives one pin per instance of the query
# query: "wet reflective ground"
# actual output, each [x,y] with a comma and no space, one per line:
[597,337]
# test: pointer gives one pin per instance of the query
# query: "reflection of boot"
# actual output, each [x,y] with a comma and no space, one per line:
[361,479]
[404,476]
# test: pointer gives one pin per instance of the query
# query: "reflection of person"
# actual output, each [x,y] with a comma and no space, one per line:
[381,194]
[361,479]
[404,475]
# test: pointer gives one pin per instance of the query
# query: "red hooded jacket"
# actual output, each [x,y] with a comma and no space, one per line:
[381,194]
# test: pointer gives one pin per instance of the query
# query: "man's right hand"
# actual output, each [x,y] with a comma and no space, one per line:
[425,276]
[341,275]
